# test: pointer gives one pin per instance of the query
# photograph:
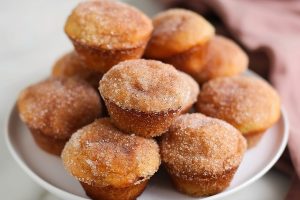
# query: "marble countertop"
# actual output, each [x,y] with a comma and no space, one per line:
[31,39]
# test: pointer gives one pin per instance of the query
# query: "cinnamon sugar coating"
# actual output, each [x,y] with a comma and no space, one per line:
[193,89]
[100,155]
[198,147]
[106,32]
[248,103]
[176,31]
[70,65]
[144,86]
[109,25]
[224,58]
[57,107]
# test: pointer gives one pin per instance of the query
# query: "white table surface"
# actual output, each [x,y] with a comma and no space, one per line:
[31,38]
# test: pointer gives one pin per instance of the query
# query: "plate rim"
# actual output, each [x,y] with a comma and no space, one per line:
[62,193]
[36,178]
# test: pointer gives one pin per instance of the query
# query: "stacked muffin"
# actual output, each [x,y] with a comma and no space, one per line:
[114,157]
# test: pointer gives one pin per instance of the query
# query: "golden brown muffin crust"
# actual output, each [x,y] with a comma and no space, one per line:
[144,85]
[111,193]
[59,106]
[177,30]
[190,61]
[197,146]
[70,65]
[108,25]
[101,155]
[143,124]
[248,103]
[224,58]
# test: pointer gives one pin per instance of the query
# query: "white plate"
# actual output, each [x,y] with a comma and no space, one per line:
[48,171]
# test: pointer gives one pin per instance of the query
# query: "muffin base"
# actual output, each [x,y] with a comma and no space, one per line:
[203,186]
[141,123]
[101,60]
[111,193]
[49,144]
[190,61]
[253,138]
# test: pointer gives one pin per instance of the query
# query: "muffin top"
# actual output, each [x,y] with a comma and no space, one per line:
[101,155]
[70,65]
[108,25]
[248,103]
[59,106]
[193,89]
[197,146]
[224,58]
[177,30]
[144,85]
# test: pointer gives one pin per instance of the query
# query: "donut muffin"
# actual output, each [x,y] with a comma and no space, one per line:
[180,37]
[143,97]
[106,32]
[55,108]
[70,65]
[248,103]
[110,164]
[201,154]
[193,89]
[224,58]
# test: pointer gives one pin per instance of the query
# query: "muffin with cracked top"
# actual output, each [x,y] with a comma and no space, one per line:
[110,164]
[144,96]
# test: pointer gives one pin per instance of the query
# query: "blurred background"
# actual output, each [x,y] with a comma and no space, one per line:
[32,38]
